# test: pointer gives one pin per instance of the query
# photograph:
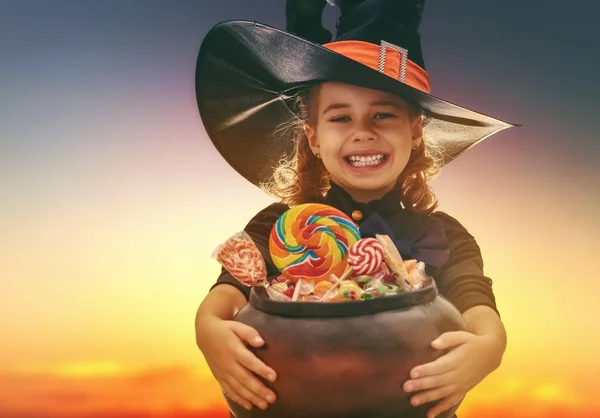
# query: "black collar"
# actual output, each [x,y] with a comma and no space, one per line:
[386,206]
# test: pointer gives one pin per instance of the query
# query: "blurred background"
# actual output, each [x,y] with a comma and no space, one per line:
[112,200]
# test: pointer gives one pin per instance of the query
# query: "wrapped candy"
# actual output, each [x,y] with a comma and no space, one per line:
[350,290]
[240,257]
[383,274]
[309,298]
[394,261]
[305,288]
[409,265]
[363,280]
[418,275]
[278,287]
[277,294]
[378,288]
[322,288]
[280,279]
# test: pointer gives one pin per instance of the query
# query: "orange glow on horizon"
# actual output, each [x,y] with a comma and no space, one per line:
[98,390]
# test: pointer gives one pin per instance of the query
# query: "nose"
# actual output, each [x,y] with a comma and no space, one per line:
[363,131]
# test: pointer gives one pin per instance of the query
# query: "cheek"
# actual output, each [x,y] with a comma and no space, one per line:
[329,142]
[402,149]
[403,142]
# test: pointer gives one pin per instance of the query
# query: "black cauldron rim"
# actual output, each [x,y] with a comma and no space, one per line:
[259,299]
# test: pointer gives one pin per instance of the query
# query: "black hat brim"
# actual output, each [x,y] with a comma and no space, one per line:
[247,75]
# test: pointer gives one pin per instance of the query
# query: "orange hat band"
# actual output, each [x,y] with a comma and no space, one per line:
[387,58]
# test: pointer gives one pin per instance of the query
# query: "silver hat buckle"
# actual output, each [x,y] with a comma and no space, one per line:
[403,56]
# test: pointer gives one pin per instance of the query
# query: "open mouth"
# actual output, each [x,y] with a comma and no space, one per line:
[366,160]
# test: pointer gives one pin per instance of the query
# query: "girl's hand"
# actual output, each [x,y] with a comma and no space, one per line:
[232,364]
[470,359]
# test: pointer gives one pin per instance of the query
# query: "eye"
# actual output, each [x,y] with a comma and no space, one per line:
[384,115]
[340,119]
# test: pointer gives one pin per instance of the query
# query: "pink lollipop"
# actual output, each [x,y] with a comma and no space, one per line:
[365,256]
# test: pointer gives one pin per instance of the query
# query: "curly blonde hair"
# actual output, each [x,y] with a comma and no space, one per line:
[302,177]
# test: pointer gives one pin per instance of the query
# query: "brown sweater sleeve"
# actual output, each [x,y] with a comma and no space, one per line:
[461,280]
[259,229]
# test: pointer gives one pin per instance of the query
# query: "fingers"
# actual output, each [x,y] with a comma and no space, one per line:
[245,393]
[444,405]
[451,339]
[247,334]
[432,395]
[237,372]
[442,364]
[251,362]
[429,382]
[234,396]
[253,386]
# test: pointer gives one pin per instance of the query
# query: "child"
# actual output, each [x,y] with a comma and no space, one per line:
[368,137]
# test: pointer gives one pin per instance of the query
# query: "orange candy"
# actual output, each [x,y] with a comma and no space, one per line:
[322,287]
[410,264]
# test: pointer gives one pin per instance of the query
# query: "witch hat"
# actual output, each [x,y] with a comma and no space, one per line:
[248,73]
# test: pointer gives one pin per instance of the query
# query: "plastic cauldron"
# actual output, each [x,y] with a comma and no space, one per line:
[347,359]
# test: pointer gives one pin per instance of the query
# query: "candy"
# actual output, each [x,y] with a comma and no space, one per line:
[311,242]
[276,294]
[378,288]
[350,291]
[280,279]
[322,288]
[279,287]
[309,298]
[394,261]
[383,274]
[297,288]
[365,269]
[410,264]
[240,257]
[289,291]
[363,280]
[305,288]
[365,256]
[418,275]
[332,293]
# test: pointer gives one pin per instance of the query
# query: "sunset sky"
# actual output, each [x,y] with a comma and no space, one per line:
[109,189]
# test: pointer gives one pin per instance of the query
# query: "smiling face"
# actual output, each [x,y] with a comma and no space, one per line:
[363,136]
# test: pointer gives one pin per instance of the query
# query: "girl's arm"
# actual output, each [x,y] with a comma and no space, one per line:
[223,341]
[223,344]
[484,321]
[472,354]
[462,280]
[222,302]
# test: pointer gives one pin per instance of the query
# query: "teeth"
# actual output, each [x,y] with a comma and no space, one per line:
[366,158]
[360,161]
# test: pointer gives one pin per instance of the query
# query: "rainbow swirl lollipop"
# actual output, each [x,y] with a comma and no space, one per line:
[311,242]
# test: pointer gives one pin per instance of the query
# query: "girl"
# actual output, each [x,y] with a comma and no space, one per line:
[367,138]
